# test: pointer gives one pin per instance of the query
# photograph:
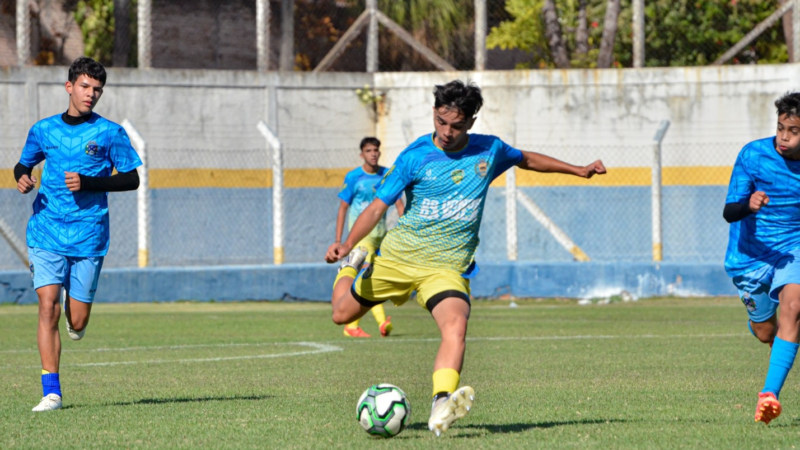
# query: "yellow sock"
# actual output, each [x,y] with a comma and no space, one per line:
[346,272]
[44,372]
[445,380]
[353,324]
[379,313]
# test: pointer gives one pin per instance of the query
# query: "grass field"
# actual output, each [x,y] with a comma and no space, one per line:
[664,373]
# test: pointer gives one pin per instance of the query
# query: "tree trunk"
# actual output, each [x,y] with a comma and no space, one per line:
[552,32]
[122,35]
[606,56]
[787,29]
[582,32]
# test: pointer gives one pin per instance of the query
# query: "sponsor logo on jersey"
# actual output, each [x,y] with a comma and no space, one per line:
[429,176]
[482,168]
[92,149]
[388,172]
[457,176]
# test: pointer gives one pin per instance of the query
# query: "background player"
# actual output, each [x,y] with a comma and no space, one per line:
[358,191]
[68,233]
[763,256]
[445,176]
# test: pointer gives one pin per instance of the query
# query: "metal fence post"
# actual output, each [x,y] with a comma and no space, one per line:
[142,195]
[262,34]
[23,32]
[656,190]
[144,38]
[277,191]
[480,34]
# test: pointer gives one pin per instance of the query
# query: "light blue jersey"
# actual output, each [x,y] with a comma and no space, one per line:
[446,192]
[764,237]
[74,223]
[358,191]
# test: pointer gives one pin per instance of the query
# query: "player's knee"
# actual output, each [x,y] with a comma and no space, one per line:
[790,306]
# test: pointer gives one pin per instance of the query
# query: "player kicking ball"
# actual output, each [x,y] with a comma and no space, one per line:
[358,191]
[68,233]
[763,256]
[445,176]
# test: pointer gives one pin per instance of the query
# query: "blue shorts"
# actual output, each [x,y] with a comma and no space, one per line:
[760,289]
[78,274]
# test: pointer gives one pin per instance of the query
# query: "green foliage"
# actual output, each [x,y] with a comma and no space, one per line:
[677,32]
[96,20]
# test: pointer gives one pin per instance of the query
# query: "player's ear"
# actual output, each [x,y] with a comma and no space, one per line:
[68,87]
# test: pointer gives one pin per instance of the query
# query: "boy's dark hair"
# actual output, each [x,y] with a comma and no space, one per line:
[455,94]
[789,104]
[89,67]
[370,140]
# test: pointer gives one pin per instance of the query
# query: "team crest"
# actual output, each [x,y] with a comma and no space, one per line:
[92,149]
[482,168]
[344,186]
[749,303]
[388,172]
[457,176]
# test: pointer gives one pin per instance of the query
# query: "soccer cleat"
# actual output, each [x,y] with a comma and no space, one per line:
[355,259]
[457,405]
[386,327]
[74,335]
[50,402]
[767,408]
[355,332]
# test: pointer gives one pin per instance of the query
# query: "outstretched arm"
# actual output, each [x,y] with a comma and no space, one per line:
[364,224]
[343,206]
[543,163]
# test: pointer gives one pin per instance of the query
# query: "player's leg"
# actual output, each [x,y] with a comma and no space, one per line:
[786,289]
[346,310]
[49,271]
[374,285]
[81,287]
[754,289]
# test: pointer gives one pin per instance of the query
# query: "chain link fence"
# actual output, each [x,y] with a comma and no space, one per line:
[298,34]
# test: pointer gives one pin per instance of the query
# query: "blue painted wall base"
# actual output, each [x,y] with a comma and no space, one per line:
[313,282]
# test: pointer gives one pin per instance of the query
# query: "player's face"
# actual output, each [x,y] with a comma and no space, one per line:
[84,94]
[787,140]
[371,154]
[451,128]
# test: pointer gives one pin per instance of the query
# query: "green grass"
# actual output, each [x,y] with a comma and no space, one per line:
[666,373]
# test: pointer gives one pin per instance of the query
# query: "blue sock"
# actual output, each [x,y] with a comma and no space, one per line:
[780,363]
[51,384]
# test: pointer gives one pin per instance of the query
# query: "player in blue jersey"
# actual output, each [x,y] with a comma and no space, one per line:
[445,176]
[358,191]
[763,256]
[68,233]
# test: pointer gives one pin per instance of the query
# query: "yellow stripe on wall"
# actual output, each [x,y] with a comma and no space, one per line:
[333,178]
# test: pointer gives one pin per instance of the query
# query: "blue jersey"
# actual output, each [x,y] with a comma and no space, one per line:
[358,191]
[74,223]
[761,238]
[446,192]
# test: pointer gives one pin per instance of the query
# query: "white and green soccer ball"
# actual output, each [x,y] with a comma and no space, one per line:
[383,410]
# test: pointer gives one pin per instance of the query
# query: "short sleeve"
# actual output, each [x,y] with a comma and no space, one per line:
[742,185]
[505,158]
[123,156]
[347,192]
[32,153]
[400,175]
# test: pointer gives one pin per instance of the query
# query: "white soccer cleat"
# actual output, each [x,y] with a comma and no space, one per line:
[50,402]
[457,405]
[74,335]
[355,259]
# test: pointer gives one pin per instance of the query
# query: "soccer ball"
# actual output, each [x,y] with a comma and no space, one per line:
[383,410]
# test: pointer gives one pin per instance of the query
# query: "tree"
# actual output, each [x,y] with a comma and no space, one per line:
[606,56]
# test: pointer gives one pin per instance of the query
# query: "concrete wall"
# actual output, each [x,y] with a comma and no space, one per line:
[212,190]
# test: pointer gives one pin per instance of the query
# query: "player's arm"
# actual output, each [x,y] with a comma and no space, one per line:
[735,212]
[364,224]
[543,163]
[122,181]
[343,207]
[25,182]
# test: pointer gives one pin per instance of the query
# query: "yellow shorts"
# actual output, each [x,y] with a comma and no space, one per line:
[386,280]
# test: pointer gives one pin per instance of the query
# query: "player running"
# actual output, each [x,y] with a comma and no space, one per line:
[68,234]
[763,208]
[445,176]
[358,191]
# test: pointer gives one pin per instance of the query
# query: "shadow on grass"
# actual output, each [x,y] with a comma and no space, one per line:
[508,428]
[160,401]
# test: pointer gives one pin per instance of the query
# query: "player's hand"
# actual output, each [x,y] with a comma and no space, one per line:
[758,200]
[73,181]
[596,167]
[336,252]
[26,184]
